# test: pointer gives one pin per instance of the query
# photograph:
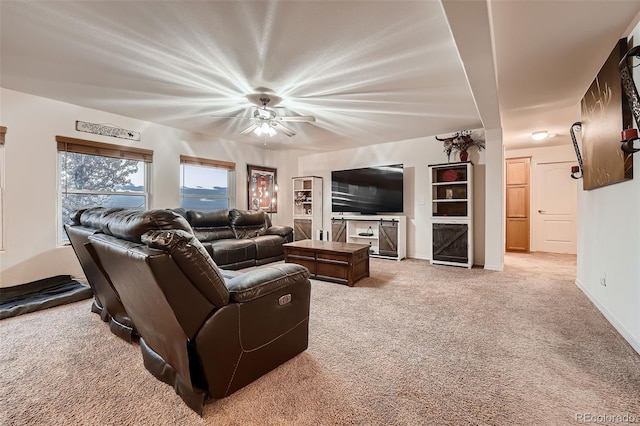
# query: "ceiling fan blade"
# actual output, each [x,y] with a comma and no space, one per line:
[235,118]
[284,129]
[298,118]
[249,129]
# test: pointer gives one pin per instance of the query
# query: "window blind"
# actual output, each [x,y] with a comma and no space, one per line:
[82,146]
[196,161]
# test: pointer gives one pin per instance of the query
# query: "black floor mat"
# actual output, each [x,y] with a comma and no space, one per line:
[41,294]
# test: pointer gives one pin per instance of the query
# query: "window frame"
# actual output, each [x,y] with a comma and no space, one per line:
[229,166]
[87,147]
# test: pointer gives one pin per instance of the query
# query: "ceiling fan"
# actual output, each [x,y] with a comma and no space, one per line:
[267,122]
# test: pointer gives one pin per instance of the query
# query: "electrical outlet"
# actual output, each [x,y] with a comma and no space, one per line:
[421,202]
[603,279]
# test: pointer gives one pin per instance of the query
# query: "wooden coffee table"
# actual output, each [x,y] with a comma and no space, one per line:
[343,263]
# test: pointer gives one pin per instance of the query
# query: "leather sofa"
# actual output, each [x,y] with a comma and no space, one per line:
[234,238]
[237,239]
[204,333]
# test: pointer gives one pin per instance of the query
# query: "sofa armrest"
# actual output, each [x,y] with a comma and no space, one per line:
[281,230]
[260,282]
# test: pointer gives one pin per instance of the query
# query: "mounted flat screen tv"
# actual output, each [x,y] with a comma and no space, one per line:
[368,190]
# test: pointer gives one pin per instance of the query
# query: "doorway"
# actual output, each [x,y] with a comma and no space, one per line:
[554,208]
[517,204]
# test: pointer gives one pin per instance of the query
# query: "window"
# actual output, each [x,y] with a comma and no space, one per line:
[94,174]
[3,130]
[206,185]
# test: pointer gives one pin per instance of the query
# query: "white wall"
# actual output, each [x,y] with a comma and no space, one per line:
[547,154]
[287,163]
[609,243]
[30,205]
[416,155]
[494,200]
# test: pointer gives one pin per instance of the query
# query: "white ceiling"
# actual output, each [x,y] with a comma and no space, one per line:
[370,72]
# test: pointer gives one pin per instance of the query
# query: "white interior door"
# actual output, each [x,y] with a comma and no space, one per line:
[554,209]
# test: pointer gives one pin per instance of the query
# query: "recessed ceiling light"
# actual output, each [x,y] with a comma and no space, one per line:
[538,136]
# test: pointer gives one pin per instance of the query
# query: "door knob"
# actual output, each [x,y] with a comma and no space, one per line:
[542,211]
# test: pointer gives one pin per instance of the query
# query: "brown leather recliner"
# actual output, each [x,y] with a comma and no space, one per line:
[106,301]
[87,222]
[199,334]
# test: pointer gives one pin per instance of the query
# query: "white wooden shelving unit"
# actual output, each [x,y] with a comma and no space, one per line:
[307,207]
[452,214]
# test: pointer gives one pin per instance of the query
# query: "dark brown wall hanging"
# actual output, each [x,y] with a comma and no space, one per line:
[605,113]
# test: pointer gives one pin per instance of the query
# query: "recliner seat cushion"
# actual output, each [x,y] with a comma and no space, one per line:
[268,246]
[230,251]
[247,287]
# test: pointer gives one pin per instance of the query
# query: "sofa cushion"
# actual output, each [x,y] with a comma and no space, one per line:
[226,252]
[182,212]
[194,262]
[95,216]
[210,226]
[248,223]
[213,234]
[132,224]
[268,246]
[282,230]
[215,219]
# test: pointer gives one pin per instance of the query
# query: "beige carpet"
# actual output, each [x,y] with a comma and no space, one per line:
[413,344]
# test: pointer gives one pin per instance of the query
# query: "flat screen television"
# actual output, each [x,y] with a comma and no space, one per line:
[368,190]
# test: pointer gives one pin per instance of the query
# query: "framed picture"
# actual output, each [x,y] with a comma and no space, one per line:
[605,113]
[261,188]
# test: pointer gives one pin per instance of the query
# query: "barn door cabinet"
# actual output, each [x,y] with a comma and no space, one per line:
[452,214]
[386,235]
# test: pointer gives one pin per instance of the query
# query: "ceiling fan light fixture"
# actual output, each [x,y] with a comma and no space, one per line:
[265,128]
[538,136]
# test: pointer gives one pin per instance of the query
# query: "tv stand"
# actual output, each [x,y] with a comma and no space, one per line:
[386,235]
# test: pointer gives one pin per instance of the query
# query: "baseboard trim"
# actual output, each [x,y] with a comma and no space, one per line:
[498,268]
[626,335]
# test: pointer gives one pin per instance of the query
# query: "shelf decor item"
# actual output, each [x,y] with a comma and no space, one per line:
[461,141]
[367,233]
[450,175]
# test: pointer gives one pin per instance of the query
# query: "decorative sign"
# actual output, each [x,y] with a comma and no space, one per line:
[107,130]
